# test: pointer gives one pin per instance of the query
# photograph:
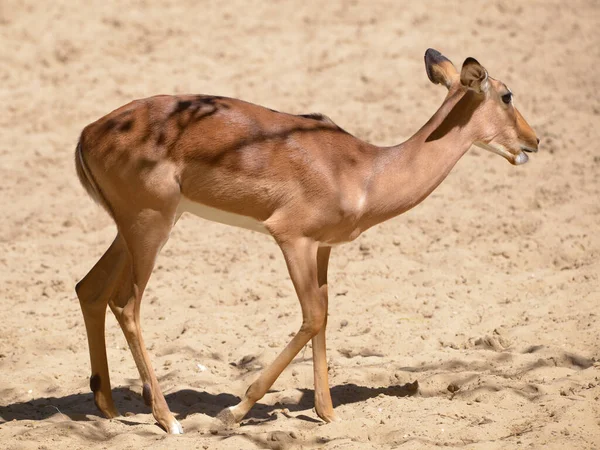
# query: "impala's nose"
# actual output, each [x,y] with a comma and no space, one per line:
[531,148]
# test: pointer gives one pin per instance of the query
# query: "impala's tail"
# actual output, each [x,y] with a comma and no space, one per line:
[87,180]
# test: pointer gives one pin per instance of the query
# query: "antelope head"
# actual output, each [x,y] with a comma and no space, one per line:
[489,102]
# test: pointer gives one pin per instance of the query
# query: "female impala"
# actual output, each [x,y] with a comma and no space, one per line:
[301,179]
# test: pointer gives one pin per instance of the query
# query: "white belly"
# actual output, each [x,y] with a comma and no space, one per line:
[216,215]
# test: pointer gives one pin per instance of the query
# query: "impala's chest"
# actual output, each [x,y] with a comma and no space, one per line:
[217,215]
[342,223]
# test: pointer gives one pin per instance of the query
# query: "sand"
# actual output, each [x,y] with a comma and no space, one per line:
[486,294]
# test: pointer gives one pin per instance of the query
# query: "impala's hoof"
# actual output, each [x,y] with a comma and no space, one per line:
[110,413]
[224,421]
[227,418]
[175,428]
[328,416]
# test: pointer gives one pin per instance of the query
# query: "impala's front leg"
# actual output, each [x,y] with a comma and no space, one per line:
[301,259]
[323,404]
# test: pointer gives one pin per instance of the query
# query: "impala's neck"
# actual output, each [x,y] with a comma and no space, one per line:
[406,174]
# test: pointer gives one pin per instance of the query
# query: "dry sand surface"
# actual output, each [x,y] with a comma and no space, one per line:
[488,289]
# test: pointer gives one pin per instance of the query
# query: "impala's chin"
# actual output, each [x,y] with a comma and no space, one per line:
[520,158]
[515,159]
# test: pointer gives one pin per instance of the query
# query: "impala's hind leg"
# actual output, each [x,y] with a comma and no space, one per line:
[94,292]
[145,234]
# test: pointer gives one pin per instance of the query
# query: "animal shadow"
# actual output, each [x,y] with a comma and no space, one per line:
[80,407]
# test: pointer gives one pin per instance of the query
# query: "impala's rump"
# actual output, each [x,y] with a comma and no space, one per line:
[86,178]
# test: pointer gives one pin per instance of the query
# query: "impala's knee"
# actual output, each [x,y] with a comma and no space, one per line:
[128,322]
[314,322]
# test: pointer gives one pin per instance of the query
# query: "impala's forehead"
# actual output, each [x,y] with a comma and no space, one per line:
[500,86]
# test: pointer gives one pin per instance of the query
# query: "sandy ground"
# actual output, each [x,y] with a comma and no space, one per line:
[489,288]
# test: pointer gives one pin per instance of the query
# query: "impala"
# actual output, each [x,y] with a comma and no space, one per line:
[301,179]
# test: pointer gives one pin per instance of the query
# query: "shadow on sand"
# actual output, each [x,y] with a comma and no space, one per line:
[185,402]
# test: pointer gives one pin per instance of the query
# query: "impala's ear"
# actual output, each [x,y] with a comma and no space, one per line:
[474,76]
[440,69]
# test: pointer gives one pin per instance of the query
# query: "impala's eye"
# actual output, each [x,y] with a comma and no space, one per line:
[506,98]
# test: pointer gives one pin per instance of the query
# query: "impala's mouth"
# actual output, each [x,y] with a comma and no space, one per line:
[528,149]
